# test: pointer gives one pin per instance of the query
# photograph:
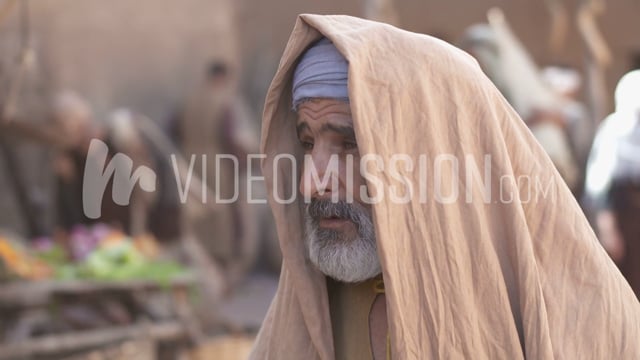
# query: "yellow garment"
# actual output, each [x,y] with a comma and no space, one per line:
[349,306]
[463,280]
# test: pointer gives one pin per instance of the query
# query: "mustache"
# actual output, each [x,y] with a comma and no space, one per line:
[325,208]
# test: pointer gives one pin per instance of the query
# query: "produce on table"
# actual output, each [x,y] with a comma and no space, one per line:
[97,252]
[19,263]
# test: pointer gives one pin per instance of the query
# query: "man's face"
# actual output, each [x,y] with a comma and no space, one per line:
[339,234]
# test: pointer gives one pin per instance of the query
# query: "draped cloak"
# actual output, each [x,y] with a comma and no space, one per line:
[473,279]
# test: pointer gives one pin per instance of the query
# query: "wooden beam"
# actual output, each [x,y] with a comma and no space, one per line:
[37,292]
[52,344]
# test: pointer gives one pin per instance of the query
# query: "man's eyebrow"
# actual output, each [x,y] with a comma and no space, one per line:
[302,127]
[346,131]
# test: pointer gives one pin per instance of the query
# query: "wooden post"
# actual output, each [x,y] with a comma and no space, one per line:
[597,59]
[559,25]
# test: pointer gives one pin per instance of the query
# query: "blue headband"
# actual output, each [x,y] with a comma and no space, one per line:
[321,73]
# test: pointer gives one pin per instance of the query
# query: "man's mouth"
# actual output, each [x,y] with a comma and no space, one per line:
[333,222]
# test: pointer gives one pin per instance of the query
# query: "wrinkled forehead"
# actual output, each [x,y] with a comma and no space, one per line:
[316,109]
[325,117]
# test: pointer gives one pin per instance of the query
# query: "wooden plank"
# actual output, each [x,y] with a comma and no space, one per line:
[138,349]
[35,292]
[52,344]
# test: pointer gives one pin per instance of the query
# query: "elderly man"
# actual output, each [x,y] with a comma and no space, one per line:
[370,273]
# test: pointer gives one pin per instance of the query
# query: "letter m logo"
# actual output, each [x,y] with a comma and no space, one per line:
[97,175]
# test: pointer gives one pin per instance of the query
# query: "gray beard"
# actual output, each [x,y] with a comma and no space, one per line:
[345,258]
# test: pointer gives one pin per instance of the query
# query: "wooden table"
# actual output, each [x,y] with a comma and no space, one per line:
[24,296]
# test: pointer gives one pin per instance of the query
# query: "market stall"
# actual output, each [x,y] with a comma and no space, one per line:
[92,290]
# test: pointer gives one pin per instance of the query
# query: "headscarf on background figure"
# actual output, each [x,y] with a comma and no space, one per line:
[566,83]
[508,64]
[613,179]
[497,280]
[616,147]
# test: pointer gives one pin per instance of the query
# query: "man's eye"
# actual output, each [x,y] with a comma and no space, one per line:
[349,145]
[306,145]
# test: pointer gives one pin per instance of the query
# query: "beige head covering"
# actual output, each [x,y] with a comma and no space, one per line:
[470,280]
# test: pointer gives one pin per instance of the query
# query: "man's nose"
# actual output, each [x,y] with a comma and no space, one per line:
[319,175]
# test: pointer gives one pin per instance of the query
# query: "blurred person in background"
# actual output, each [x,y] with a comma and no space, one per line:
[73,119]
[566,82]
[397,279]
[215,121]
[203,130]
[613,179]
[550,110]
[123,136]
